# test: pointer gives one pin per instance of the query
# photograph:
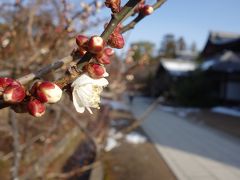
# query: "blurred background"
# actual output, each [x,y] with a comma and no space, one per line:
[171,110]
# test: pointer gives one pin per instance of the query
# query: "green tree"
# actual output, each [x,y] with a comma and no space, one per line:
[142,49]
[168,46]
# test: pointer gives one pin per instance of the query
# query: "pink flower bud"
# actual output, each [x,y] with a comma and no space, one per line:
[81,40]
[109,51]
[49,92]
[4,82]
[36,108]
[114,5]
[103,59]
[96,70]
[116,40]
[147,10]
[14,94]
[95,44]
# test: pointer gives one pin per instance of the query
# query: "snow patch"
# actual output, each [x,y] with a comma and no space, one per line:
[226,110]
[135,138]
[112,142]
[180,111]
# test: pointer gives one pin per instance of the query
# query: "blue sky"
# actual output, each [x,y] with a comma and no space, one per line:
[192,19]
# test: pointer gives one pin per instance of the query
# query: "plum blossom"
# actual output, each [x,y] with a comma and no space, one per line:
[86,92]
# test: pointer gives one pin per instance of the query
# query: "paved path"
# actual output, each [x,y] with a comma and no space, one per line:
[193,152]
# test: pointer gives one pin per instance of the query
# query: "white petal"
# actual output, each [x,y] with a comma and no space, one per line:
[105,74]
[85,79]
[100,82]
[84,93]
[82,80]
[77,103]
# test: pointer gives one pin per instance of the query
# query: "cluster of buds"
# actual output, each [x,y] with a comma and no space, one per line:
[13,92]
[43,92]
[86,88]
[96,46]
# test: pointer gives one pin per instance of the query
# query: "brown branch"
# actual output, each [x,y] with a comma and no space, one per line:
[140,16]
[16,145]
[55,65]
[30,142]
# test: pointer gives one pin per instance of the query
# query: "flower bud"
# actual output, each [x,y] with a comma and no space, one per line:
[81,40]
[36,108]
[95,44]
[139,6]
[14,94]
[103,59]
[96,70]
[109,51]
[49,92]
[4,82]
[147,10]
[114,5]
[116,40]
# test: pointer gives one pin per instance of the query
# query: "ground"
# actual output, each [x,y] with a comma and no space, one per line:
[130,161]
[225,123]
[191,150]
[136,162]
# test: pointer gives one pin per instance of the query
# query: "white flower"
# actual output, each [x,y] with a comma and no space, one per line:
[86,92]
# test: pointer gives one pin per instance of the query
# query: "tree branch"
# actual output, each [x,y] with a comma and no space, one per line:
[55,65]
[132,24]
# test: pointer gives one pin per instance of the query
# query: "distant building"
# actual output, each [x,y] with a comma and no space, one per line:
[171,70]
[219,42]
[221,60]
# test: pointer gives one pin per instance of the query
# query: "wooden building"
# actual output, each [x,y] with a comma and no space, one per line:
[221,60]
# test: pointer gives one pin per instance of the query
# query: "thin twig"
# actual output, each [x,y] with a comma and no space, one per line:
[74,172]
[16,145]
[55,65]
